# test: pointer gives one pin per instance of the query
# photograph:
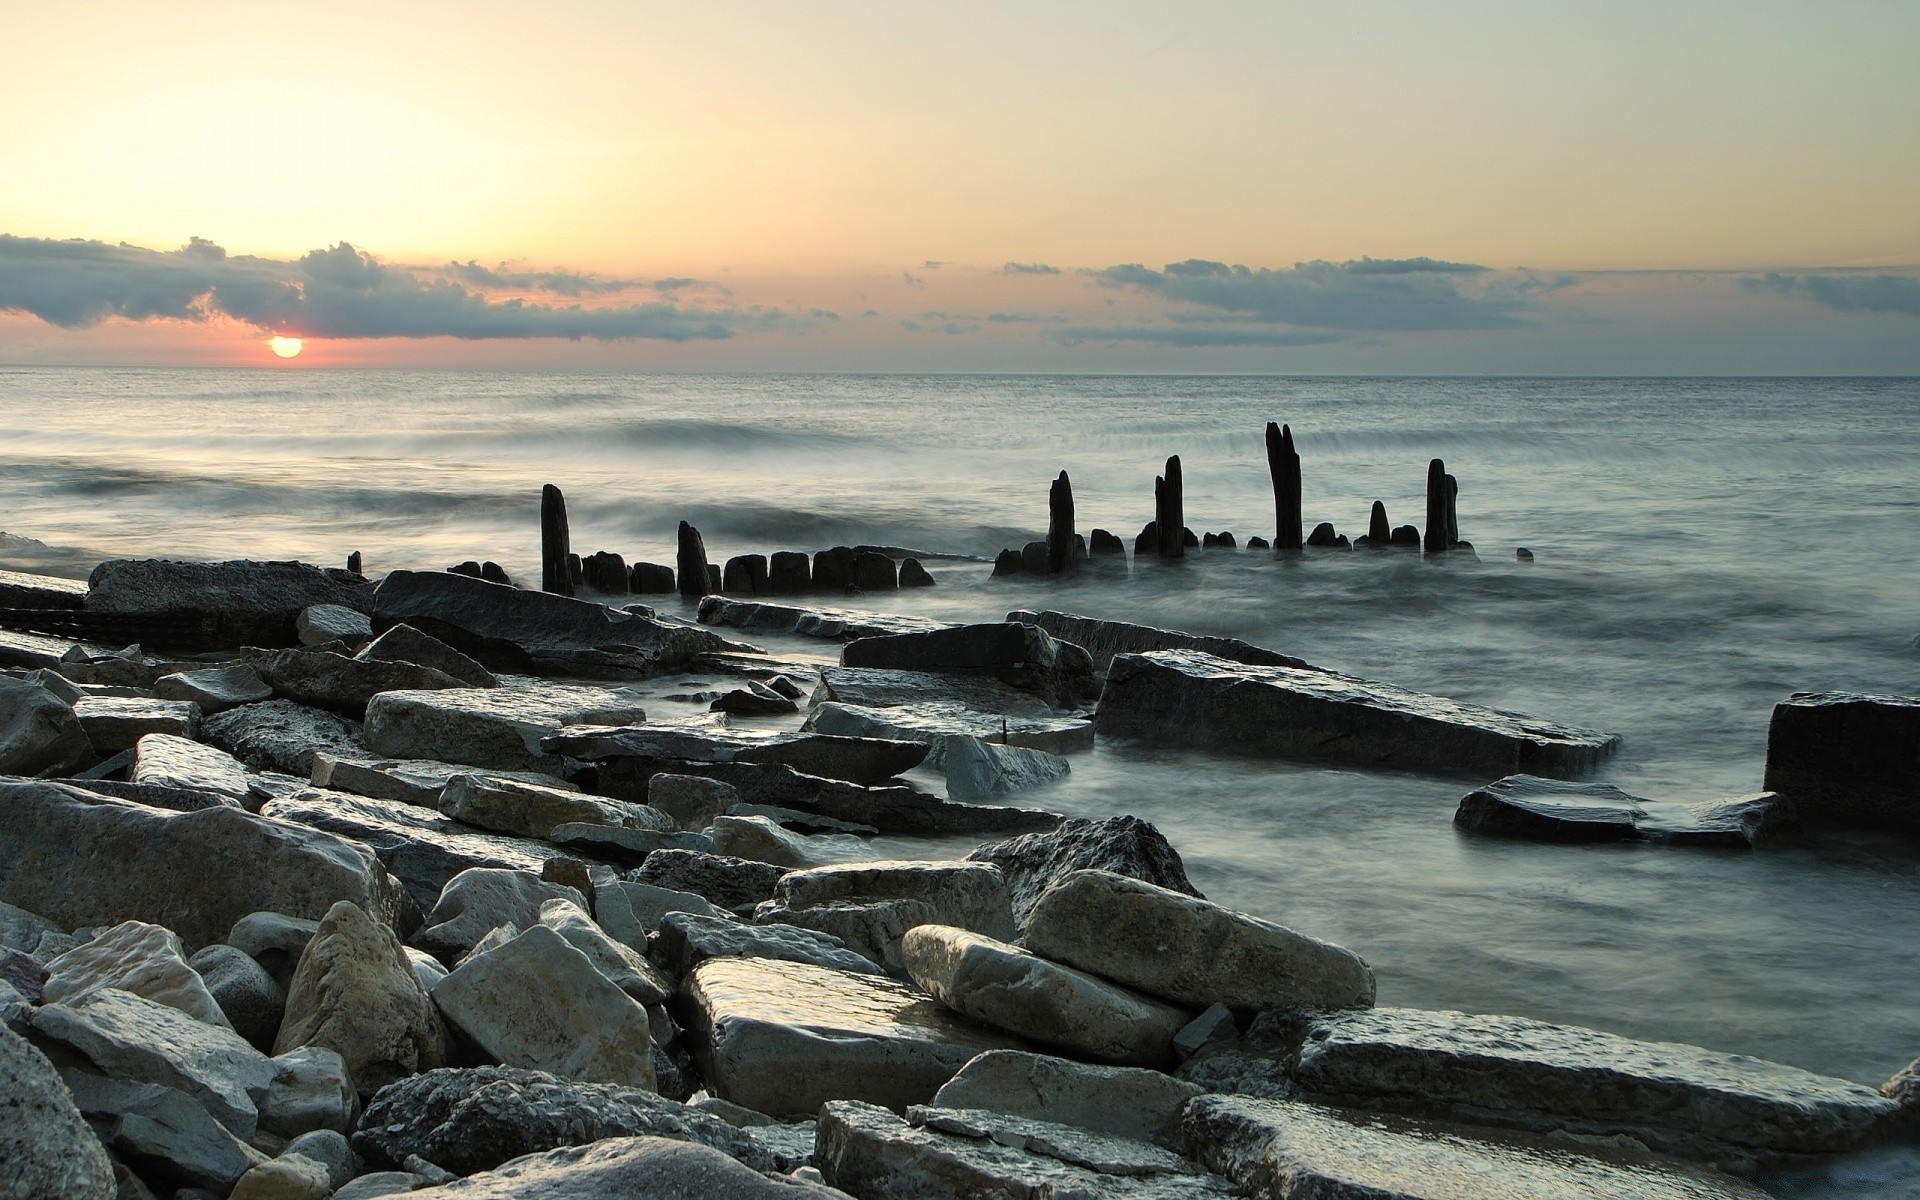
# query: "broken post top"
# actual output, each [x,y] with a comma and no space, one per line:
[695,577]
[1169,511]
[1283,463]
[1437,495]
[554,547]
[1060,524]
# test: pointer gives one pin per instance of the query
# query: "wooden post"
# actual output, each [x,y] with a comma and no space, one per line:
[1436,536]
[1169,511]
[1453,514]
[554,546]
[1379,533]
[695,580]
[1283,463]
[1060,525]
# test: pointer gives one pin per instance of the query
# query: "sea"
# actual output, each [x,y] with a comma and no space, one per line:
[1701,549]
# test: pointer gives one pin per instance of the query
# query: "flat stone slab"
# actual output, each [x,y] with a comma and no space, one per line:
[1021,656]
[853,759]
[1196,699]
[116,723]
[1131,1102]
[279,735]
[761,840]
[784,1038]
[491,727]
[417,781]
[875,687]
[532,810]
[1292,1151]
[1848,761]
[831,624]
[970,895]
[251,603]
[168,761]
[1529,808]
[1525,1074]
[933,722]
[688,939]
[324,679]
[215,689]
[653,1167]
[19,589]
[1105,639]
[147,960]
[978,770]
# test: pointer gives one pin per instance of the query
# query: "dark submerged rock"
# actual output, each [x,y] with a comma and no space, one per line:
[912,574]
[1848,761]
[238,603]
[1104,639]
[1022,656]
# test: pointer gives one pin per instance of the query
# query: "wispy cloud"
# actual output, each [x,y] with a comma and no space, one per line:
[1848,291]
[1192,336]
[1368,294]
[1014,268]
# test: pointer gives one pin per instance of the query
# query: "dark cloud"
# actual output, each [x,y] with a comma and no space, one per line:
[912,280]
[1368,294]
[1192,336]
[1014,268]
[1849,292]
[339,292]
[1022,318]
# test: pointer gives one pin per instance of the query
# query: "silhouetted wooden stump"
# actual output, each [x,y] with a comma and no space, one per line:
[1034,558]
[1060,524]
[1103,543]
[788,573]
[1189,540]
[1453,512]
[1378,531]
[651,579]
[1149,540]
[469,567]
[1437,538]
[695,580]
[353,564]
[1008,563]
[1324,535]
[833,569]
[912,574]
[1258,543]
[1169,510]
[493,572]
[606,572]
[875,572]
[745,574]
[1406,535]
[1283,463]
[554,544]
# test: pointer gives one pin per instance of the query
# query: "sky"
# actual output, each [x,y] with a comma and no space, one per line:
[1620,188]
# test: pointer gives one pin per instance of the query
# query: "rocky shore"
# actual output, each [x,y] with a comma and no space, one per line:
[351,888]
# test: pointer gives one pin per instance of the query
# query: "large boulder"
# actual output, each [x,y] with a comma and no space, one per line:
[507,629]
[1021,656]
[80,861]
[622,965]
[324,679]
[783,1038]
[279,735]
[323,624]
[163,1128]
[38,732]
[310,1091]
[871,928]
[242,603]
[146,960]
[1008,988]
[688,939]
[46,1150]
[478,901]
[934,722]
[1105,639]
[861,760]
[405,644]
[1285,1149]
[164,760]
[876,687]
[1848,761]
[1195,699]
[1191,951]
[536,1002]
[1131,1102]
[491,727]
[631,912]
[735,884]
[653,1167]
[980,770]
[1124,845]
[354,993]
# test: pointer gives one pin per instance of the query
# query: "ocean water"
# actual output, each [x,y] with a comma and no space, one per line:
[1703,549]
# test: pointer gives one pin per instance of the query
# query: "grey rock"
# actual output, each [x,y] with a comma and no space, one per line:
[629,912]
[153,1123]
[1199,700]
[872,929]
[154,795]
[857,760]
[1211,1027]
[688,939]
[23,589]
[491,727]
[39,732]
[1105,639]
[532,810]
[376,1184]
[310,1090]
[215,689]
[692,802]
[1022,656]
[249,603]
[870,687]
[279,735]
[621,965]
[319,624]
[21,930]
[273,940]
[978,770]
[164,760]
[46,1150]
[657,1168]
[934,722]
[416,781]
[1008,988]
[477,901]
[1102,1153]
[404,643]
[831,624]
[90,863]
[289,1177]
[1530,808]
[251,999]
[146,960]
[355,993]
[784,1038]
[760,840]
[1753,822]
[754,700]
[1191,951]
[337,683]
[330,1149]
[969,895]
[730,883]
[1125,845]
[1847,761]
[1130,1102]
[629,847]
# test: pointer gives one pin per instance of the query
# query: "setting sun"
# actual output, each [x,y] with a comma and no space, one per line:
[287,347]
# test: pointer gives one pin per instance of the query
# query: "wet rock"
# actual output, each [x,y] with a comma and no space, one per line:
[1284,1149]
[761,840]
[354,992]
[249,996]
[164,760]
[1128,846]
[1847,761]
[861,760]
[500,727]
[691,801]
[1022,656]
[621,965]
[324,679]
[480,900]
[657,1168]
[1530,1075]
[1129,1102]
[972,896]
[507,629]
[1189,950]
[320,624]
[46,1150]
[405,644]
[688,939]
[875,688]
[84,863]
[310,1091]
[215,689]
[1104,639]
[417,781]
[532,810]
[536,1002]
[1198,699]
[832,624]
[1753,822]
[783,1038]
[279,735]
[731,883]
[1008,988]
[1547,810]
[934,722]
[146,960]
[249,603]
[913,574]
[754,700]
[978,770]
[165,1129]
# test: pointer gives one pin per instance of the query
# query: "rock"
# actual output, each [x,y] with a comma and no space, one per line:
[978,770]
[330,1149]
[404,644]
[319,624]
[783,1038]
[275,942]
[21,589]
[1548,810]
[934,722]
[1032,863]
[1021,656]
[1753,822]
[1129,1102]
[1201,700]
[500,727]
[39,732]
[754,700]
[86,863]
[133,956]
[324,679]
[761,840]
[355,993]
[1530,1075]
[692,802]
[872,929]
[630,911]
[164,760]
[507,629]
[537,1002]
[972,896]
[656,1168]
[476,1119]
[247,603]
[131,1038]
[418,781]
[532,810]
[913,574]
[875,688]
[621,846]
[155,795]
[1105,639]
[621,965]
[1847,761]
[1211,1027]
[279,735]
[215,689]
[377,1184]
[249,996]
[310,1090]
[938,1153]
[688,939]
[1285,1149]
[859,760]
[482,899]
[291,1177]
[1190,951]
[22,930]
[1406,535]
[161,1127]
[730,883]
[46,1150]
[1008,988]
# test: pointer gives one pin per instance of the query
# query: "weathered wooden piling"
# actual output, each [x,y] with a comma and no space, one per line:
[1379,532]
[554,546]
[695,579]
[745,574]
[655,579]
[1283,463]
[1103,543]
[1453,512]
[788,573]
[1060,555]
[1436,536]
[606,572]
[875,572]
[354,564]
[833,569]
[1169,510]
